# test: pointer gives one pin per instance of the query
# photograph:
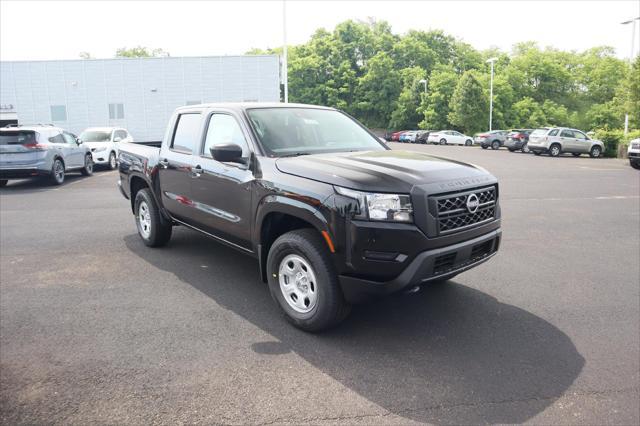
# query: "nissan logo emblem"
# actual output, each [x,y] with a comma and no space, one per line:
[472,203]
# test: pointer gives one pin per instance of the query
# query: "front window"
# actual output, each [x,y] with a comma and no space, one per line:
[298,131]
[95,136]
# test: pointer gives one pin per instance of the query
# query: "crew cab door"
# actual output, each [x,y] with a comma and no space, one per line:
[222,191]
[175,166]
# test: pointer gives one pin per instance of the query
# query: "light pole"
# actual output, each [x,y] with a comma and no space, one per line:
[285,77]
[633,40]
[491,61]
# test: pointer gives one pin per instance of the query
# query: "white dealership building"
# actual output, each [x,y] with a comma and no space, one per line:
[136,93]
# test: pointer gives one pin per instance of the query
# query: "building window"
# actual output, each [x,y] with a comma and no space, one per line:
[116,111]
[58,113]
[193,102]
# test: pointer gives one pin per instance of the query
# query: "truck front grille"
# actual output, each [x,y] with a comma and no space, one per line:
[455,212]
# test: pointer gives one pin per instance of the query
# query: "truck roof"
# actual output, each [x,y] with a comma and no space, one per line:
[240,106]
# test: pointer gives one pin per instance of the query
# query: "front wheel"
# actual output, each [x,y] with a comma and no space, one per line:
[303,281]
[595,152]
[87,170]
[495,144]
[112,161]
[153,231]
[635,164]
[468,142]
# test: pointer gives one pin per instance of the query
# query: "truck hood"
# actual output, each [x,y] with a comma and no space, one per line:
[382,171]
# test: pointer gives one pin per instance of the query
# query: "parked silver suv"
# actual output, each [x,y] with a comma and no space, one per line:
[557,140]
[41,150]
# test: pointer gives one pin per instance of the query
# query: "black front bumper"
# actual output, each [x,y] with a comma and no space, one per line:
[430,265]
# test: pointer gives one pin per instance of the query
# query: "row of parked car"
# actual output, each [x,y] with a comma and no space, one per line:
[44,150]
[545,140]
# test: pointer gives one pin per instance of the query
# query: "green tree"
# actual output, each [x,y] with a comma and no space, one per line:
[469,109]
[378,91]
[407,115]
[528,114]
[435,108]
[140,52]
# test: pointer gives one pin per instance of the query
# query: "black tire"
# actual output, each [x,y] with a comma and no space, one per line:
[87,170]
[57,172]
[511,149]
[537,152]
[575,154]
[113,162]
[635,164]
[595,152]
[495,145]
[525,148]
[555,150]
[158,232]
[3,182]
[484,146]
[330,307]
[468,142]
[443,141]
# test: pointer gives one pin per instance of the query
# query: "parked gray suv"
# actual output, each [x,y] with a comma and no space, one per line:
[558,140]
[41,150]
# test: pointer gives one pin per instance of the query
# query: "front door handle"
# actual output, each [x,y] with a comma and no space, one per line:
[164,163]
[196,171]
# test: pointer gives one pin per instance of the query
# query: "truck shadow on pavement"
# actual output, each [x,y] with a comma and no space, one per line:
[447,354]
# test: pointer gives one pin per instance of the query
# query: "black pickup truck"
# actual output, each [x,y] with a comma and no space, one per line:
[332,215]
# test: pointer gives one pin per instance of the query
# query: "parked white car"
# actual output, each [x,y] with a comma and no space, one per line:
[449,137]
[103,143]
[634,153]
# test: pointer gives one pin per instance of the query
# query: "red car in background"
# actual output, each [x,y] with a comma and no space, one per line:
[395,136]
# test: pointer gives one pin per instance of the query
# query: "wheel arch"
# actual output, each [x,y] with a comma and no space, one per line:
[277,215]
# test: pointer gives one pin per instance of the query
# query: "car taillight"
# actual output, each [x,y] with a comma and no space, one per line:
[36,146]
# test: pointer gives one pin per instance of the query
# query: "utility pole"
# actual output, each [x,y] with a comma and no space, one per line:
[285,77]
[633,40]
[491,61]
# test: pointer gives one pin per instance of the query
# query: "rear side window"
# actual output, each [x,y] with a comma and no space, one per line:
[120,134]
[553,132]
[186,134]
[56,138]
[540,132]
[18,138]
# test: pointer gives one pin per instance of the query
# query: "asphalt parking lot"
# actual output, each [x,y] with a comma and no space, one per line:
[96,327]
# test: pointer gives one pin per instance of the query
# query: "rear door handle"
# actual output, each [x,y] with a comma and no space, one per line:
[196,171]
[164,163]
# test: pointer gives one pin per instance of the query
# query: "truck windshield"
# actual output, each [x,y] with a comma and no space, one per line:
[298,131]
[95,136]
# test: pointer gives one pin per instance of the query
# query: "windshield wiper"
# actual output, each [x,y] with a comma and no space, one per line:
[297,154]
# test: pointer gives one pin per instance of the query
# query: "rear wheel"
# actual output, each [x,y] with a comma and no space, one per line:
[635,164]
[525,148]
[443,141]
[303,281]
[153,231]
[595,152]
[57,172]
[112,161]
[511,149]
[468,142]
[3,182]
[87,170]
[484,146]
[554,150]
[537,152]
[495,144]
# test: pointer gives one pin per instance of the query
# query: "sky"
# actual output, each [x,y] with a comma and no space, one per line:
[31,30]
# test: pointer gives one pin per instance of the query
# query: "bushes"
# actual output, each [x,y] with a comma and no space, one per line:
[615,142]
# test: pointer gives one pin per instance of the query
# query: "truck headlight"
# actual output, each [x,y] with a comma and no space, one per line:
[380,207]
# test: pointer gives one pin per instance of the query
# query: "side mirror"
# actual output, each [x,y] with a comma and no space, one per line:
[227,153]
[117,139]
[79,141]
